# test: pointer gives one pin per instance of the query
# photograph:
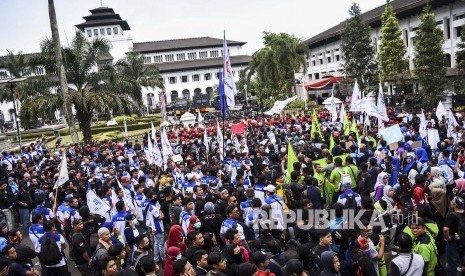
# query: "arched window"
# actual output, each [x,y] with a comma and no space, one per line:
[209,91]
[174,95]
[197,91]
[447,60]
[186,94]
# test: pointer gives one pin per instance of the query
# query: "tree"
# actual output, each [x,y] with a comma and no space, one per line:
[17,66]
[461,59]
[274,66]
[357,50]
[60,69]
[391,57]
[132,69]
[103,91]
[429,58]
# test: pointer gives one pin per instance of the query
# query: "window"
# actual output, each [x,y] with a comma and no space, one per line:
[317,76]
[192,55]
[439,22]
[39,71]
[108,31]
[115,30]
[172,80]
[203,54]
[102,31]
[458,31]
[95,32]
[207,76]
[313,63]
[448,28]
[406,38]
[337,57]
[180,56]
[328,59]
[169,58]
[184,79]
[321,61]
[214,54]
[158,59]
[147,59]
[195,77]
[3,75]
[459,16]
[234,73]
[89,33]
[328,52]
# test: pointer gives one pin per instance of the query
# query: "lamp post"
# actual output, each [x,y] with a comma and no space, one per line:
[245,89]
[12,85]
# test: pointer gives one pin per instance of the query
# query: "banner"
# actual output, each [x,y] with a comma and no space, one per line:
[96,204]
[391,134]
[228,83]
[238,128]
[279,106]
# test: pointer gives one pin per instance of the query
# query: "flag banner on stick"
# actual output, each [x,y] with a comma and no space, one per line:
[291,159]
[221,93]
[441,111]
[63,177]
[205,141]
[356,96]
[96,204]
[451,124]
[422,130]
[228,84]
[219,138]
[381,104]
[238,128]
[333,108]
[127,200]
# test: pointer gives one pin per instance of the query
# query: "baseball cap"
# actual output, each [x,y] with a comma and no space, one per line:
[189,191]
[459,202]
[270,188]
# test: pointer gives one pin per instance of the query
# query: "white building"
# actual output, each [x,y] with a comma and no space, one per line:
[188,66]
[325,51]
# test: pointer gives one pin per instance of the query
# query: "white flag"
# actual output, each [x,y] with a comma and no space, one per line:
[127,201]
[149,153]
[333,108]
[156,154]
[205,141]
[219,138]
[422,130]
[165,147]
[342,113]
[451,124]
[96,204]
[356,96]
[154,137]
[381,105]
[63,177]
[441,111]
[228,83]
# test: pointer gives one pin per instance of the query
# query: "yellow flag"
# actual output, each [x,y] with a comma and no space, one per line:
[291,159]
[315,126]
[331,143]
[346,126]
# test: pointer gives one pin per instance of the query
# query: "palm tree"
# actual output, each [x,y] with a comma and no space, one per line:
[131,69]
[90,91]
[61,70]
[17,66]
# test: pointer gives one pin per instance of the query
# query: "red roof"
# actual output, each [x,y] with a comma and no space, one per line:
[317,84]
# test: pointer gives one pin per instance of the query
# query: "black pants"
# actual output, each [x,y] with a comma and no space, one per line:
[57,271]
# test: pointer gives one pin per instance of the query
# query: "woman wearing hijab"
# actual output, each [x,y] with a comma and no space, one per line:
[437,180]
[459,186]
[381,181]
[330,263]
[172,254]
[438,206]
[422,157]
[410,164]
[175,237]
[194,224]
[388,193]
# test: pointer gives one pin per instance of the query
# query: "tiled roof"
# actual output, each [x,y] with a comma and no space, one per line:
[403,8]
[182,44]
[103,16]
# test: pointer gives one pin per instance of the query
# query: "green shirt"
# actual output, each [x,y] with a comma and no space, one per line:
[426,247]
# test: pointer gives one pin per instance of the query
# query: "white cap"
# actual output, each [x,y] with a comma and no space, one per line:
[270,188]
[189,191]
[189,176]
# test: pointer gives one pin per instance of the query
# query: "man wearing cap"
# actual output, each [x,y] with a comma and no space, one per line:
[80,250]
[277,207]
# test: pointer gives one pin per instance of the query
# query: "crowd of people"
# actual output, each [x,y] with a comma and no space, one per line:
[244,208]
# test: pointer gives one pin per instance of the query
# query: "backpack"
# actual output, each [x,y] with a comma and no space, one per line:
[94,263]
[174,212]
[315,266]
[249,233]
[133,267]
[49,253]
[460,235]
[287,196]
[350,203]
[345,178]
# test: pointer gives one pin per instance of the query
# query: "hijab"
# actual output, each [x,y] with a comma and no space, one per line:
[460,185]
[410,165]
[192,221]
[438,200]
[438,180]
[422,155]
[379,179]
[171,255]
[389,200]
[174,236]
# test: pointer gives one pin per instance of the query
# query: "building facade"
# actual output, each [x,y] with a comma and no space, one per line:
[325,52]
[188,66]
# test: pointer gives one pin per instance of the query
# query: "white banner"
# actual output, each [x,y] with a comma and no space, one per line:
[63,176]
[391,134]
[279,106]
[96,204]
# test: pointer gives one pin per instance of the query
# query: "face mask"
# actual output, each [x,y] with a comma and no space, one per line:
[197,225]
[369,234]
[179,257]
[135,221]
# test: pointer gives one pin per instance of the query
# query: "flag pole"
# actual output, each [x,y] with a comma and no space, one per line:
[223,98]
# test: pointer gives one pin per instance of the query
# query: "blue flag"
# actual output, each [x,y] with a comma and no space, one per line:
[221,92]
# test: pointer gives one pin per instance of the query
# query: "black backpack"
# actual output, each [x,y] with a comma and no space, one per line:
[314,264]
[248,232]
[350,203]
[460,236]
[49,253]
[94,263]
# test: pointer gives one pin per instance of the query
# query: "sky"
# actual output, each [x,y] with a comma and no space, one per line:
[25,22]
